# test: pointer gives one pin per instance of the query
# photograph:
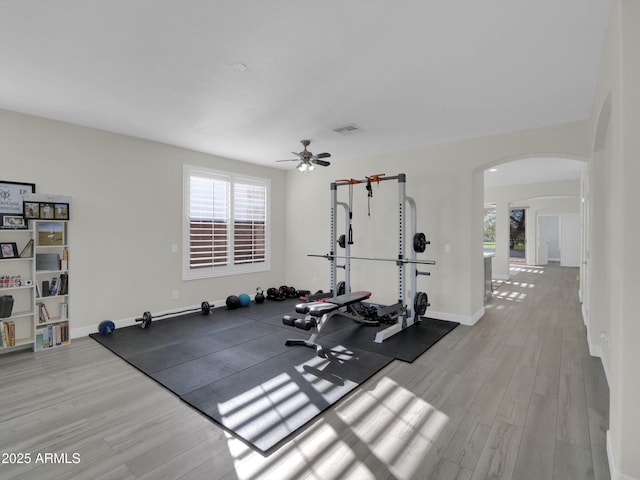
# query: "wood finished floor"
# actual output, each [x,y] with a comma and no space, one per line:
[517,396]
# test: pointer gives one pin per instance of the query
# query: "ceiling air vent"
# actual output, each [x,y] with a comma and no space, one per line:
[349,129]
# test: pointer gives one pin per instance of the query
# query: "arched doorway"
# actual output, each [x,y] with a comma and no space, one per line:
[539,185]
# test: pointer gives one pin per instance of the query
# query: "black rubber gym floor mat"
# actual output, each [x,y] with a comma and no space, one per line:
[267,403]
[406,345]
[234,367]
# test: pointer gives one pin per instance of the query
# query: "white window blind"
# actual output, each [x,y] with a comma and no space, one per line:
[226,223]
[249,222]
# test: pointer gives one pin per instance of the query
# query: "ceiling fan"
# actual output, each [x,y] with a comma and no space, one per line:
[308,160]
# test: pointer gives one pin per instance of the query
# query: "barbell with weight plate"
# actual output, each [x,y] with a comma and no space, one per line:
[146,318]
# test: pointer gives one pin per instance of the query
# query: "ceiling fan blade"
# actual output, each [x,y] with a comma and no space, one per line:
[289,160]
[323,155]
[322,163]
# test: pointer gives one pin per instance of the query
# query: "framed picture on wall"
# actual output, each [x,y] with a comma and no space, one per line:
[50,210]
[11,202]
[46,211]
[31,210]
[61,211]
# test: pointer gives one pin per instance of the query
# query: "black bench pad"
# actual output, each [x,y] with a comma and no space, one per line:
[318,309]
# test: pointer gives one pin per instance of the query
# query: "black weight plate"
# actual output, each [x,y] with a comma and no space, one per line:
[419,242]
[421,303]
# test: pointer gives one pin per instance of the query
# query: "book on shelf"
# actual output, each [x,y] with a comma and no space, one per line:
[43,313]
[52,336]
[54,286]
[64,332]
[64,284]
[45,338]
[8,333]
[3,335]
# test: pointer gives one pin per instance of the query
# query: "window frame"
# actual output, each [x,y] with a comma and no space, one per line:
[230,268]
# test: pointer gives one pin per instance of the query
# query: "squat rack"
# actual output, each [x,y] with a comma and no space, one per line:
[405,315]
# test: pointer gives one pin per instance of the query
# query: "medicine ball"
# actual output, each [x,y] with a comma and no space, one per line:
[106,327]
[244,299]
[233,302]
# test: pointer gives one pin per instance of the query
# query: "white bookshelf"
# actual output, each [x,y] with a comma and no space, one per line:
[17,281]
[51,273]
[39,318]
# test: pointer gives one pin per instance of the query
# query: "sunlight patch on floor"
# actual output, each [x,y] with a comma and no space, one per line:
[397,427]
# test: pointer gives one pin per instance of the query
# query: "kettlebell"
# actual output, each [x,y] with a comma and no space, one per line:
[259,298]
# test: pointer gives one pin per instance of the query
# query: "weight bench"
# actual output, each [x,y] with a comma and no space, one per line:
[322,311]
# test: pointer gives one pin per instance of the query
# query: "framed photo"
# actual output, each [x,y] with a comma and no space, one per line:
[61,211]
[8,250]
[50,233]
[31,210]
[11,197]
[46,211]
[13,221]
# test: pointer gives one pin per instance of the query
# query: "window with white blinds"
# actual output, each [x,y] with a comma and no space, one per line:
[226,223]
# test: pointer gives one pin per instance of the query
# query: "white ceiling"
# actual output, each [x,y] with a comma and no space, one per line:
[409,72]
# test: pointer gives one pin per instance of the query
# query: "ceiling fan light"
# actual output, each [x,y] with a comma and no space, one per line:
[302,167]
[312,167]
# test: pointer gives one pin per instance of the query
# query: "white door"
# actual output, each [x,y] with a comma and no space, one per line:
[541,242]
[570,240]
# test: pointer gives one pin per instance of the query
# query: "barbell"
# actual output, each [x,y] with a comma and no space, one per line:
[396,260]
[146,318]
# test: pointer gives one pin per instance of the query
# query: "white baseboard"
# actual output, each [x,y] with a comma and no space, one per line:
[496,276]
[126,322]
[596,350]
[86,331]
[453,317]
[610,459]
[613,468]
